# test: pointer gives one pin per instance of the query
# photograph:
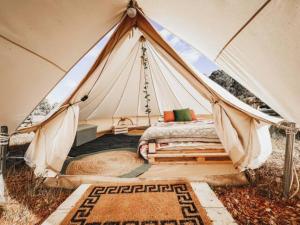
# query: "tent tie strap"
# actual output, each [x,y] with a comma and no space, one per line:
[65,106]
[83,99]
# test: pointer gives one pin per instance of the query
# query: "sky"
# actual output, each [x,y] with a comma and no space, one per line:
[192,56]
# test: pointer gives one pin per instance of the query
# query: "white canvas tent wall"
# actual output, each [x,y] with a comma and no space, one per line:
[242,130]
[118,91]
[48,38]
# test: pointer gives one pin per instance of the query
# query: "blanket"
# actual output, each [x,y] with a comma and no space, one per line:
[194,135]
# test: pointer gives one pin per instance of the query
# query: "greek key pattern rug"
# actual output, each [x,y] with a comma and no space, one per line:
[144,203]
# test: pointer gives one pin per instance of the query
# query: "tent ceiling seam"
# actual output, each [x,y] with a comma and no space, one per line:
[139,93]
[113,84]
[164,47]
[242,28]
[164,64]
[169,87]
[152,79]
[116,78]
[155,92]
[34,53]
[171,90]
[126,84]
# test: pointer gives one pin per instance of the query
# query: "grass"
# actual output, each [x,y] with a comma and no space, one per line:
[30,202]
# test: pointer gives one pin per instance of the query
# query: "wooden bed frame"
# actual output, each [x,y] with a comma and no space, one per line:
[190,156]
[182,156]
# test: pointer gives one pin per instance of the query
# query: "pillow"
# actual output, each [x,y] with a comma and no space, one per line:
[182,115]
[193,115]
[169,116]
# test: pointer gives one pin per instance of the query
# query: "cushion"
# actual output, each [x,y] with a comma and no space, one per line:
[182,115]
[169,116]
[193,115]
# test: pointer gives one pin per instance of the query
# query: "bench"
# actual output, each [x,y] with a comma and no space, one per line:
[85,133]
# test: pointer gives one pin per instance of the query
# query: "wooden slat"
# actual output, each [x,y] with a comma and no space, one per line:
[186,161]
[190,151]
[198,154]
[191,156]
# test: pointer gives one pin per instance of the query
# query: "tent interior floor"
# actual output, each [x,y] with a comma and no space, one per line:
[115,148]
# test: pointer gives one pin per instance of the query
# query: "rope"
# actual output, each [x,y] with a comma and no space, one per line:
[291,131]
[297,182]
[4,137]
[288,129]
[294,173]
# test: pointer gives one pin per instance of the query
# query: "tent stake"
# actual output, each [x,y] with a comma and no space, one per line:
[288,162]
[3,150]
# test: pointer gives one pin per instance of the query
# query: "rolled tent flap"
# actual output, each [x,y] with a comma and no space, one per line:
[247,140]
[227,134]
[52,143]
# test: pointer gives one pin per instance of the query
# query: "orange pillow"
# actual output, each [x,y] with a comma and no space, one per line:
[169,116]
[193,115]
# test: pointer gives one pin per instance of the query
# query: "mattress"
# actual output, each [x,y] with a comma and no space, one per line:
[180,135]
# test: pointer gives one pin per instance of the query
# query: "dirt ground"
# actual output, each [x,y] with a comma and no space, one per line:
[261,202]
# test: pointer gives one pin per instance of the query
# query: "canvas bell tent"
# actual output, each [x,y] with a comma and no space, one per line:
[41,42]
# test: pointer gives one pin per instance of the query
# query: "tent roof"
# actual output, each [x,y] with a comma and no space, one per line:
[43,40]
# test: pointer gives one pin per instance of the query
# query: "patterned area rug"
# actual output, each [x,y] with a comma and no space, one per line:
[106,142]
[144,203]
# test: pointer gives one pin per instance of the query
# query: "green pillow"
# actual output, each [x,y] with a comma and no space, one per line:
[182,115]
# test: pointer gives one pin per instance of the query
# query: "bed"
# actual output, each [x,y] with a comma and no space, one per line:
[174,137]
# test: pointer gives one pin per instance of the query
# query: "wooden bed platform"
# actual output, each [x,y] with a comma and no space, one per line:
[190,156]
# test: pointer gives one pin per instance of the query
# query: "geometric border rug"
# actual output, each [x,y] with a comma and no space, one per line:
[141,203]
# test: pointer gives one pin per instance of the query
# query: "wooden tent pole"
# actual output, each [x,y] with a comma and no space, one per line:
[288,162]
[3,151]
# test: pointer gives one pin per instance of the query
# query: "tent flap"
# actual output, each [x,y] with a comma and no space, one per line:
[52,143]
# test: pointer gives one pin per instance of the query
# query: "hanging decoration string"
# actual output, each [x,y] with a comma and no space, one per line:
[145,64]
